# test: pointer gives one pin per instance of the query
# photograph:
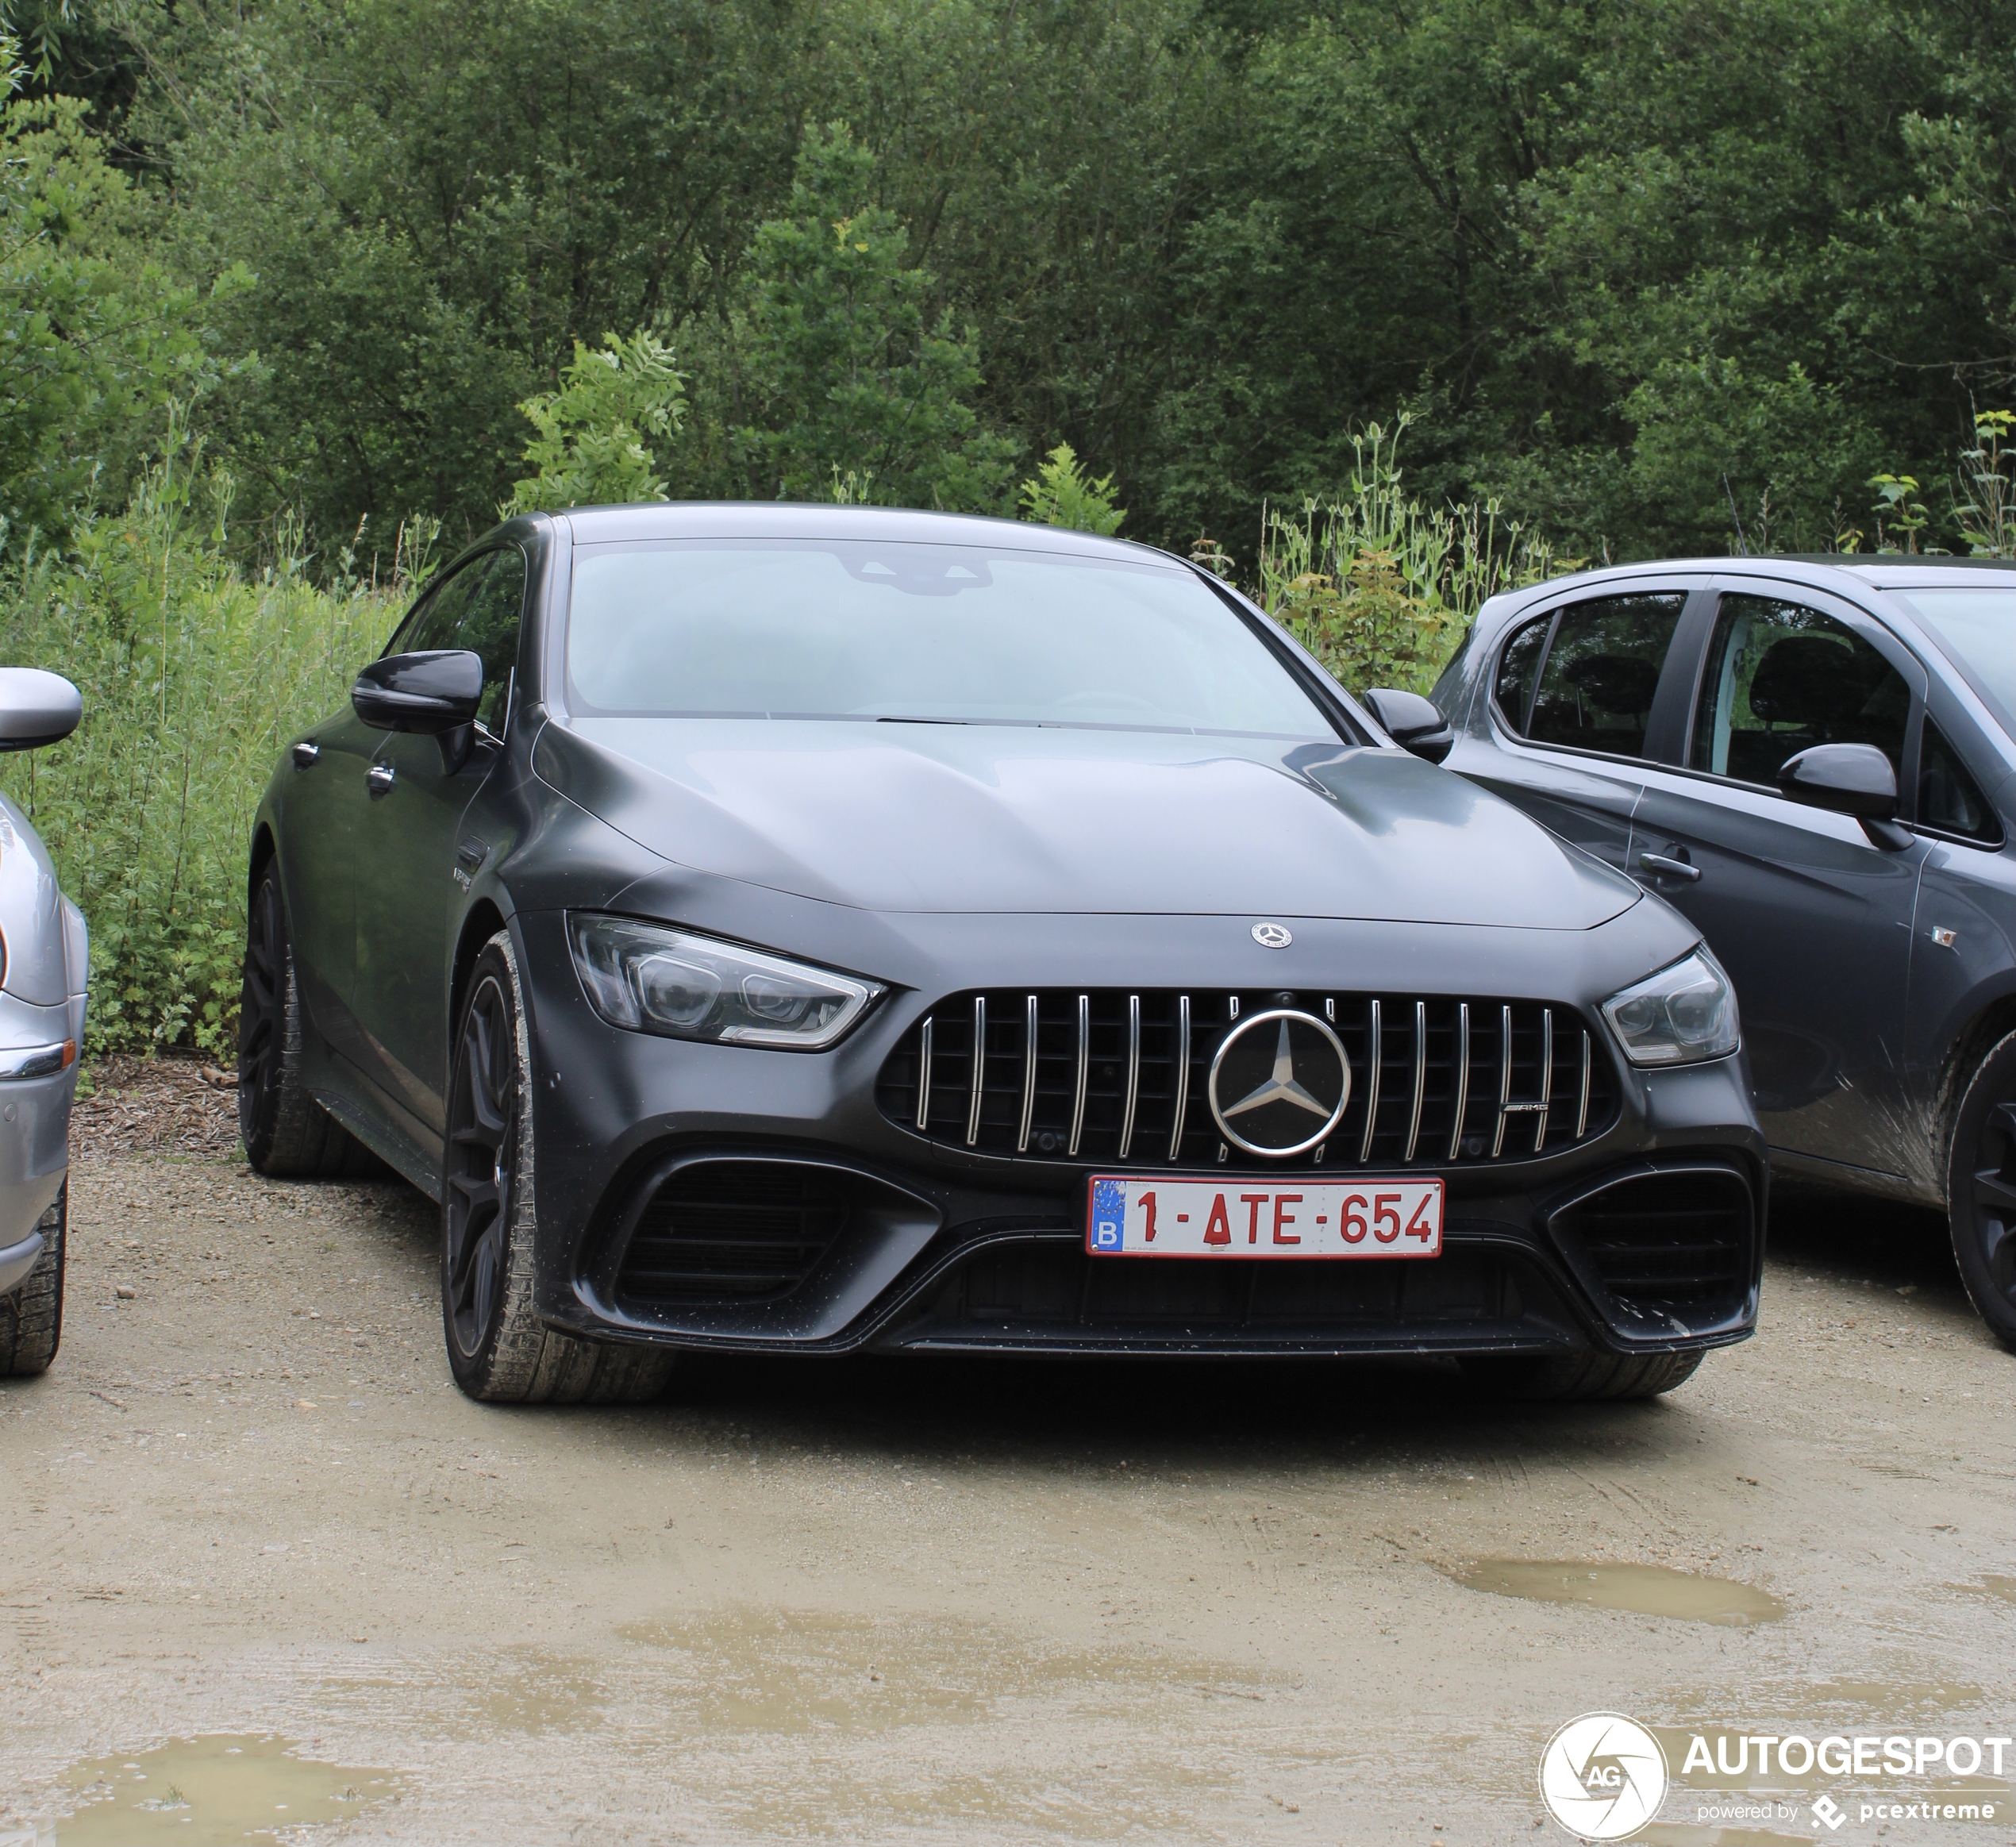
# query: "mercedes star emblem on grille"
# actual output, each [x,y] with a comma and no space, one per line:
[1279,1082]
[1273,935]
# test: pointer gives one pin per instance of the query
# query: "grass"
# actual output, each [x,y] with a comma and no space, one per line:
[194,670]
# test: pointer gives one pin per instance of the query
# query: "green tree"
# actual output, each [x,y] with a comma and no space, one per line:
[94,335]
[850,374]
[593,431]
[1061,494]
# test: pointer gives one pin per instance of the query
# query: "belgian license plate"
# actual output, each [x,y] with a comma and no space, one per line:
[1200,1218]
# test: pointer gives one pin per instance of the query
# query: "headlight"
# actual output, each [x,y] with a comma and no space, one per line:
[1679,1016]
[653,978]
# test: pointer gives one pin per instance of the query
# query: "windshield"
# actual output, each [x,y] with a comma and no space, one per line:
[1978,626]
[947,634]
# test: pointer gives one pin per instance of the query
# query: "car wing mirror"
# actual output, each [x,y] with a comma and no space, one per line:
[1412,722]
[1853,779]
[36,708]
[427,693]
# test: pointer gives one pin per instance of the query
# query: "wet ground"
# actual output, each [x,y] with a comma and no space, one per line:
[268,1576]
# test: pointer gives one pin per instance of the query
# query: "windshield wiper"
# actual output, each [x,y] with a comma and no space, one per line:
[894,719]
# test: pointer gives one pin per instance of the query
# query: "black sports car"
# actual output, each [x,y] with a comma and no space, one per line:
[806,929]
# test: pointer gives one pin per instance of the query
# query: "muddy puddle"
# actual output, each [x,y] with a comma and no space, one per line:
[2002,1588]
[1643,1590]
[219,1790]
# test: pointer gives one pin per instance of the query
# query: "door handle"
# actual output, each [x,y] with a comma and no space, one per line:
[378,779]
[1669,868]
[305,754]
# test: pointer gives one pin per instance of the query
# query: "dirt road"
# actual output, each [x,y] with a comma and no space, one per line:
[906,1600]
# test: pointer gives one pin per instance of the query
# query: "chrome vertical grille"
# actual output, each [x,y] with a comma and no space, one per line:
[1105,1075]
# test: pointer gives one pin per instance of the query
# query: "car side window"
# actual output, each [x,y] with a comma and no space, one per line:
[431,622]
[490,627]
[1949,800]
[1779,677]
[1601,669]
[1518,667]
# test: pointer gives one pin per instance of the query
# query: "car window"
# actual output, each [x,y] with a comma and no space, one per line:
[1781,676]
[793,630]
[1949,800]
[1977,624]
[490,627]
[1601,671]
[1518,667]
[431,622]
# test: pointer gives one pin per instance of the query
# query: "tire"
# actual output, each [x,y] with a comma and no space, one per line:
[286,1134]
[1582,1377]
[499,1349]
[1981,1189]
[30,1318]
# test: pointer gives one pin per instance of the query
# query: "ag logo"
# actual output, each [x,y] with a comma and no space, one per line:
[1602,1776]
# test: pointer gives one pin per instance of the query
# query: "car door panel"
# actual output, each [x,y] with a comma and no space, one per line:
[409,903]
[322,812]
[1812,918]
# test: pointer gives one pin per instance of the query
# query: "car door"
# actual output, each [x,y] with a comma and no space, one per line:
[321,809]
[410,903]
[1811,916]
[1577,703]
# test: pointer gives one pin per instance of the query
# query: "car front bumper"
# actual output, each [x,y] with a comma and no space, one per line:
[909,1242]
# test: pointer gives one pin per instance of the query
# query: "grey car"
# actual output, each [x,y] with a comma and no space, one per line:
[1815,760]
[43,961]
[800,929]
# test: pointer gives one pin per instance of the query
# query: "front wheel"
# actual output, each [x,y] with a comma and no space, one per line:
[1981,1190]
[30,1318]
[497,1348]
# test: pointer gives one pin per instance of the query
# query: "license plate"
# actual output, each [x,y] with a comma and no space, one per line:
[1201,1218]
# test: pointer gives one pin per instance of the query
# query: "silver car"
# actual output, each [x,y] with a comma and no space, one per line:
[43,962]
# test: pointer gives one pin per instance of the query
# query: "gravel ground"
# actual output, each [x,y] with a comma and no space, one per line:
[915,1599]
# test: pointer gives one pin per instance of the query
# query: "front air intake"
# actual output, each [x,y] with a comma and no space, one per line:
[732,1231]
[1674,1250]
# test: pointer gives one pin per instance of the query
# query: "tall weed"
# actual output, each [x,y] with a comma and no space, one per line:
[1380,587]
[193,671]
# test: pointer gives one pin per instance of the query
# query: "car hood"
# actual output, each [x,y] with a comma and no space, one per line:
[981,818]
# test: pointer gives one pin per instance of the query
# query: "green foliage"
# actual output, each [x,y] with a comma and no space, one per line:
[1899,514]
[1984,501]
[591,449]
[849,376]
[94,335]
[1380,587]
[1063,494]
[193,673]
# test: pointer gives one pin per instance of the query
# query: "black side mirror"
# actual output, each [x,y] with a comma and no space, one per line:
[1848,779]
[1412,722]
[426,693]
[36,708]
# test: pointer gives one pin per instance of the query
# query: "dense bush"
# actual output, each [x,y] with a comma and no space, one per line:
[194,670]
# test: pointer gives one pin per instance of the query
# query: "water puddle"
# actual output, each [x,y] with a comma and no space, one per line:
[219,1791]
[2004,1588]
[1645,1590]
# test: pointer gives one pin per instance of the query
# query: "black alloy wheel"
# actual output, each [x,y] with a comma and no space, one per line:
[482,1166]
[286,1134]
[261,1009]
[1981,1190]
[498,1348]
